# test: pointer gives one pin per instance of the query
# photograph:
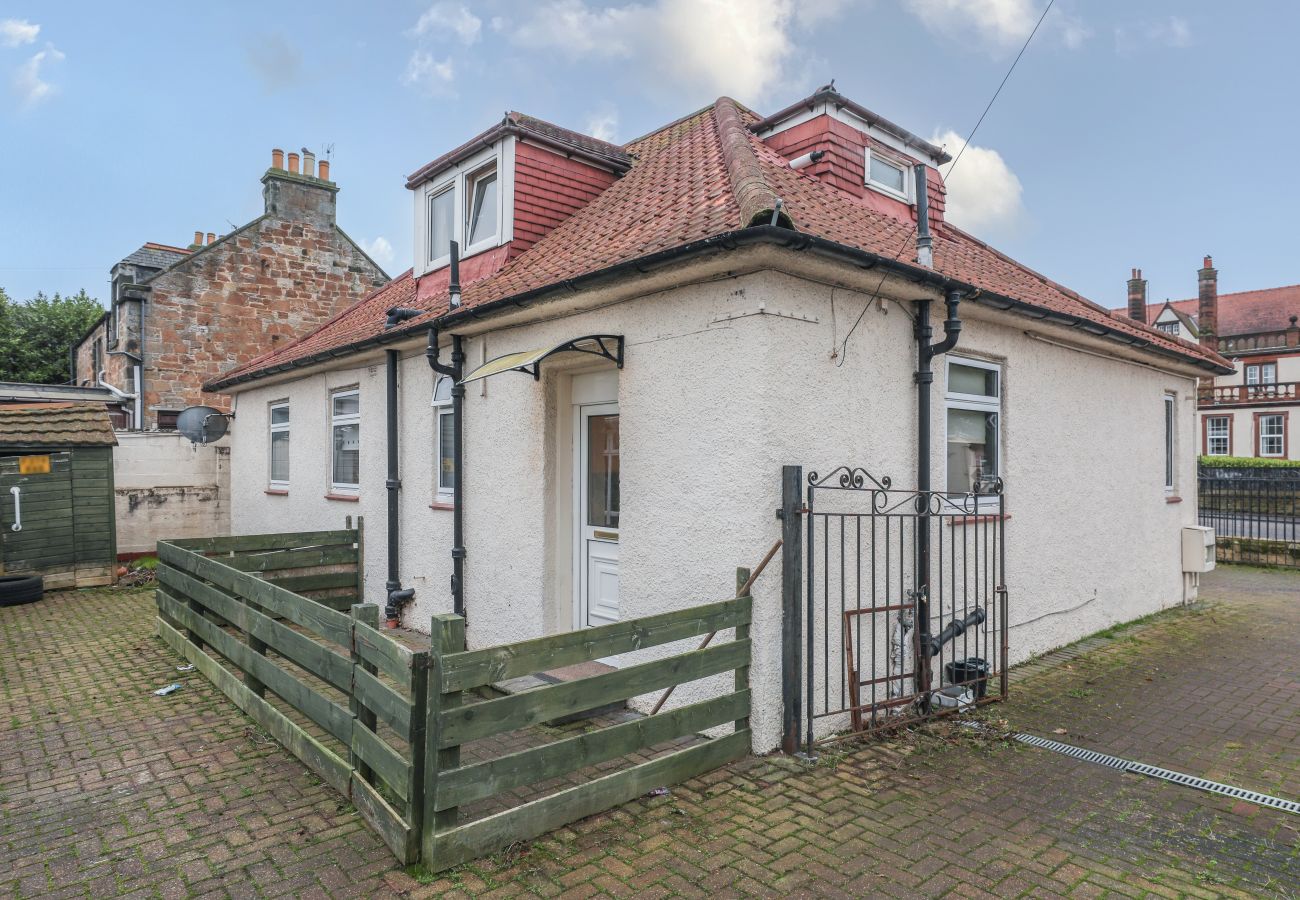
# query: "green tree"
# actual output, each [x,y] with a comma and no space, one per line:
[35,336]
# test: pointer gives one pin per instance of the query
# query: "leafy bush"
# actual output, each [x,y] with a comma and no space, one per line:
[1247,462]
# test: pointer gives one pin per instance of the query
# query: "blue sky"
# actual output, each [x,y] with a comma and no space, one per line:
[1126,137]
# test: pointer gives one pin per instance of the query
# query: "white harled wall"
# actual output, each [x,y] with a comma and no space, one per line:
[724,383]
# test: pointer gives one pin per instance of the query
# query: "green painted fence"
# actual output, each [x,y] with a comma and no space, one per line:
[385,725]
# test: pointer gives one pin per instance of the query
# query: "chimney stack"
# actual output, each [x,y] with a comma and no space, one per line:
[308,163]
[298,187]
[1137,298]
[1207,307]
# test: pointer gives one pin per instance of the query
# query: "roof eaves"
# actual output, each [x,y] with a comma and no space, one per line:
[759,234]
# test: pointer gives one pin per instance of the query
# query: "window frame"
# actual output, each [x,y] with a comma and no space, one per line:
[1206,437]
[336,420]
[1259,434]
[459,179]
[273,428]
[906,194]
[1171,442]
[978,403]
[1173,328]
[1258,369]
[441,496]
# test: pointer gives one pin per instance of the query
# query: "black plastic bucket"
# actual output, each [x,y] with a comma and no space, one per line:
[972,671]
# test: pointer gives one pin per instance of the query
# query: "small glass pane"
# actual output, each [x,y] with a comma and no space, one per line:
[347,454]
[442,216]
[602,471]
[347,404]
[483,215]
[279,456]
[442,390]
[446,442]
[279,415]
[972,380]
[972,448]
[887,174]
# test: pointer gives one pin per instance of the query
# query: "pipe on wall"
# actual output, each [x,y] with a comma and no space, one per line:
[454,371]
[397,596]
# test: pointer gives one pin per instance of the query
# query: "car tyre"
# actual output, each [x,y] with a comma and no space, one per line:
[16,590]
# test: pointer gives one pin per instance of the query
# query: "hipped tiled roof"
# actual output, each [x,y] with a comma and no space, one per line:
[693,180]
[56,425]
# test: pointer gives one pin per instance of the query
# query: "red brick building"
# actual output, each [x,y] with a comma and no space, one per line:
[181,316]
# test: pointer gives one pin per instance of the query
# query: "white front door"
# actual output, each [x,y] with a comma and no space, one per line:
[596,475]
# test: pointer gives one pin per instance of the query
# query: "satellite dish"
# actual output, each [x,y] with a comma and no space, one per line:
[202,424]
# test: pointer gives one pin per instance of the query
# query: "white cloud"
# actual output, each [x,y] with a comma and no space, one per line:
[1171,32]
[603,125]
[984,195]
[15,32]
[1000,25]
[28,84]
[738,47]
[423,70]
[450,19]
[380,250]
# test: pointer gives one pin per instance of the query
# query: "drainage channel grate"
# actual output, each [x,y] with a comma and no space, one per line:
[1191,781]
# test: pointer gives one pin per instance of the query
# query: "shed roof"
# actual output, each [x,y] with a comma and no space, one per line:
[55,425]
[692,183]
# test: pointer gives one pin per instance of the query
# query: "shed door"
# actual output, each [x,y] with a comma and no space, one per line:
[36,532]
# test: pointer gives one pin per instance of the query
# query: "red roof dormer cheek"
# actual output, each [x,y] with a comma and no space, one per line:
[550,188]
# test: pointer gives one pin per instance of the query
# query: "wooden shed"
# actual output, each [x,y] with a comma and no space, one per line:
[56,493]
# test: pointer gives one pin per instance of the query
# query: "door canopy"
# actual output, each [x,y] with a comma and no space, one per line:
[606,346]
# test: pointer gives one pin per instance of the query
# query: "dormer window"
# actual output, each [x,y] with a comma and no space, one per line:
[467,203]
[889,176]
[1168,327]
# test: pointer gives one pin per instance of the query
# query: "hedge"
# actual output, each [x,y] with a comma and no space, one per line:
[1248,462]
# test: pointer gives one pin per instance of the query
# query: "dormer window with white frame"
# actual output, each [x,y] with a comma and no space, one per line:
[888,175]
[471,203]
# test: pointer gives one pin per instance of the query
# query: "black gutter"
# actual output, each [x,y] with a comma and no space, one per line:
[757,235]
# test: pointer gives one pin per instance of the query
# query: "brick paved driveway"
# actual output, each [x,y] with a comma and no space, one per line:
[107,790]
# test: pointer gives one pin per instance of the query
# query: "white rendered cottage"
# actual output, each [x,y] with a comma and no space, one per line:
[745,291]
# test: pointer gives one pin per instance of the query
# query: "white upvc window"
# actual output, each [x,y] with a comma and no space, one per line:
[470,203]
[1170,433]
[888,175]
[1218,436]
[972,417]
[1168,327]
[444,437]
[1261,373]
[278,414]
[345,441]
[1272,435]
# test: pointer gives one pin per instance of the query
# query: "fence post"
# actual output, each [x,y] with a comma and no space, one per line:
[419,686]
[366,614]
[742,634]
[791,514]
[361,562]
[446,636]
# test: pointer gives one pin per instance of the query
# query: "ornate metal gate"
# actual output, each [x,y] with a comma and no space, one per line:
[904,613]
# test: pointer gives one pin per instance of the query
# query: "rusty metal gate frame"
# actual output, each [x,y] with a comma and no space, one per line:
[859,564]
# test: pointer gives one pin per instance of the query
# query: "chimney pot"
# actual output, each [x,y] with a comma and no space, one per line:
[324,170]
[211,237]
[198,239]
[308,163]
[293,163]
[277,158]
[1209,263]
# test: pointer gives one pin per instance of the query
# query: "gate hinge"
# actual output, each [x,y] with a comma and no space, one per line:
[780,513]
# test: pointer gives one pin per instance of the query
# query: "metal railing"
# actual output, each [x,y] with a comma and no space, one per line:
[1255,517]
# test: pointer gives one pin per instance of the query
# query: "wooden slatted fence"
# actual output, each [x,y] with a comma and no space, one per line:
[385,725]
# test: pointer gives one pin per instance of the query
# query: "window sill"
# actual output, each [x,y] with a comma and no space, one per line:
[1172,499]
[277,492]
[438,504]
[347,498]
[959,521]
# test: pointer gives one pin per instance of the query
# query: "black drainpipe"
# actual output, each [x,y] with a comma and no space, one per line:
[455,371]
[926,352]
[397,596]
